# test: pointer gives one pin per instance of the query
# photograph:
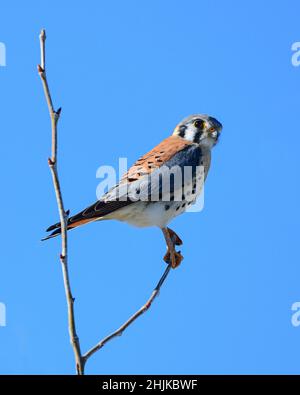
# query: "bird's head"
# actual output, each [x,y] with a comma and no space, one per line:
[199,129]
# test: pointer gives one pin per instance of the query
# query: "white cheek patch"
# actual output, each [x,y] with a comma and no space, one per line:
[190,134]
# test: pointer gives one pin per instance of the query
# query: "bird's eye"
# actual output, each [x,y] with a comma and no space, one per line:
[212,129]
[199,124]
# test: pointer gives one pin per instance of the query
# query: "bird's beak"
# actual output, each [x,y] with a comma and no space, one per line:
[218,132]
[216,135]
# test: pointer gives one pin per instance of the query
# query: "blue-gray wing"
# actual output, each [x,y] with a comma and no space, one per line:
[159,175]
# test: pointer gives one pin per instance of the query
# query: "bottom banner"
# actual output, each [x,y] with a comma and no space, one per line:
[94,384]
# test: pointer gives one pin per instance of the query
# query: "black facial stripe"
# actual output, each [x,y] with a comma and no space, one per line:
[197,136]
[182,129]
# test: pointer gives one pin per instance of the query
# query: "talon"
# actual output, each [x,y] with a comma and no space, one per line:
[167,257]
[172,257]
[175,260]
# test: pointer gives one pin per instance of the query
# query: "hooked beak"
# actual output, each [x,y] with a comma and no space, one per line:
[217,132]
[215,135]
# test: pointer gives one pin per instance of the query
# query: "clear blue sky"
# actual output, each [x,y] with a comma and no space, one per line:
[125,73]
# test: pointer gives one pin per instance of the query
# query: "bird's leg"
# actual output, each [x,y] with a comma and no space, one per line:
[172,239]
[175,238]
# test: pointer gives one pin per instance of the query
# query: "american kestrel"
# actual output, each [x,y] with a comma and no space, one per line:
[149,194]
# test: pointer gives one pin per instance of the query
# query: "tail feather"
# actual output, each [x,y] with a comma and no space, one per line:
[53,234]
[56,228]
[52,227]
[92,213]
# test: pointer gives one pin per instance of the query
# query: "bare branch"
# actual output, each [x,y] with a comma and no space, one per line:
[122,328]
[54,116]
[63,215]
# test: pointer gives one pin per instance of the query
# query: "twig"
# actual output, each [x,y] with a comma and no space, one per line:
[54,116]
[122,328]
[79,358]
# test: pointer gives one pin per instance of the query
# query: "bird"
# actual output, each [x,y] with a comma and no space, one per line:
[157,187]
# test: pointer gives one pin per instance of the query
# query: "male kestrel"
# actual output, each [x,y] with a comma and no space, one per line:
[160,185]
